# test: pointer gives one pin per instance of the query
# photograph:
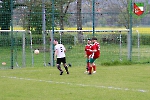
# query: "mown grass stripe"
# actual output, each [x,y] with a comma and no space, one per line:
[83,85]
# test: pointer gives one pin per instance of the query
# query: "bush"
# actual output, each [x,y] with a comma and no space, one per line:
[65,38]
[116,63]
[36,39]
[115,39]
[69,39]
[144,39]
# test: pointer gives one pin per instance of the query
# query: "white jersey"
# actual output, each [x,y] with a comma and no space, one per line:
[61,50]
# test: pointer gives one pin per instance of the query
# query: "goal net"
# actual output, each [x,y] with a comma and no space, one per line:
[113,43]
[13,48]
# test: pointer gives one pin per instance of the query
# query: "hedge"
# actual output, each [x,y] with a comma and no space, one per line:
[36,39]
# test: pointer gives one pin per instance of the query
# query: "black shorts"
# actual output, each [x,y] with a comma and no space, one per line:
[63,60]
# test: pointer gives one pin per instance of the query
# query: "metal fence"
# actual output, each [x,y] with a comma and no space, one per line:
[42,18]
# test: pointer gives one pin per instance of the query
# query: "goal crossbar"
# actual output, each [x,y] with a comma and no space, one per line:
[15,31]
[112,30]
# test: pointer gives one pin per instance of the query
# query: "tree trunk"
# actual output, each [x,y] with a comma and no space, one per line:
[62,14]
[79,21]
[61,23]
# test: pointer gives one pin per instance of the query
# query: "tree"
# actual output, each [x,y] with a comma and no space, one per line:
[34,9]
[63,7]
[79,21]
[121,10]
[5,13]
[34,15]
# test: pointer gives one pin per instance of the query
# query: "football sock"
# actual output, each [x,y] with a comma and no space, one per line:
[66,68]
[90,70]
[59,68]
[88,65]
[94,68]
[86,68]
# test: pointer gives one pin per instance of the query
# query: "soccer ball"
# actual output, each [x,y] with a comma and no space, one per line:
[3,63]
[36,51]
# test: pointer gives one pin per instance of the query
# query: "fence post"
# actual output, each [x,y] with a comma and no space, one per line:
[52,35]
[93,17]
[12,38]
[130,33]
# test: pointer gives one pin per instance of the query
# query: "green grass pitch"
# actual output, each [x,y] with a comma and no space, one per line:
[122,82]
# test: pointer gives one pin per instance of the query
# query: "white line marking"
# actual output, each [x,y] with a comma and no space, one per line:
[83,85]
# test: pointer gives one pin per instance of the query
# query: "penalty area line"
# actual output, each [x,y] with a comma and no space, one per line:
[83,85]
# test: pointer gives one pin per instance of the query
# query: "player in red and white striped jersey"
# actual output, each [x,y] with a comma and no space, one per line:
[95,49]
[87,54]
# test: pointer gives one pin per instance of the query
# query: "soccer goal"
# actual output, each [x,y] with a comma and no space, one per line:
[76,39]
[13,47]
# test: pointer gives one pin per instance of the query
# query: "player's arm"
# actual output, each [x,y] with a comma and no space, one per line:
[85,52]
[85,55]
[98,47]
[64,48]
[94,49]
[55,55]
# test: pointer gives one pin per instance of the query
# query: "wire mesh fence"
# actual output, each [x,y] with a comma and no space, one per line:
[43,18]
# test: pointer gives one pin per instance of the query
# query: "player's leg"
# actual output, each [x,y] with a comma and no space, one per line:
[65,66]
[94,67]
[59,68]
[87,65]
[58,65]
[91,65]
